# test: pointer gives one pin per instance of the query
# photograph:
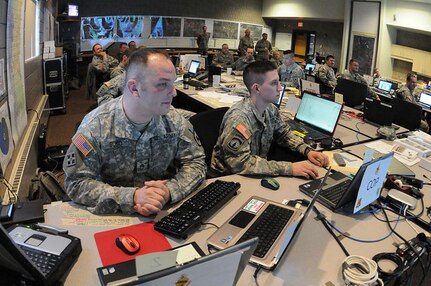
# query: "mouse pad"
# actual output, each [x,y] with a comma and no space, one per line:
[149,240]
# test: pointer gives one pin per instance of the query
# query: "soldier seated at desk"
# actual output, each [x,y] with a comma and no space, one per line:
[249,127]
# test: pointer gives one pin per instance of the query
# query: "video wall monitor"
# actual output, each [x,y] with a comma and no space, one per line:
[72,10]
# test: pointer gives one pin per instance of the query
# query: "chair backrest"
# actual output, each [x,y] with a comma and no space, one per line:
[207,125]
[354,93]
[406,114]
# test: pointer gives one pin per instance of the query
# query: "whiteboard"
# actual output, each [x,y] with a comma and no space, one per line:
[283,41]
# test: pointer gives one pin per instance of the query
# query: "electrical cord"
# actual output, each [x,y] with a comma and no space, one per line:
[409,223]
[359,270]
[357,130]
[402,215]
[386,276]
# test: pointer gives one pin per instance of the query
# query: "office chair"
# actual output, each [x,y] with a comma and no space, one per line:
[207,126]
[406,114]
[354,93]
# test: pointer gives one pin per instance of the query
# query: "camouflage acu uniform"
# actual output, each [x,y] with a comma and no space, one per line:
[104,66]
[263,54]
[111,89]
[406,94]
[244,43]
[118,70]
[225,60]
[202,41]
[327,76]
[109,158]
[291,74]
[245,138]
[241,63]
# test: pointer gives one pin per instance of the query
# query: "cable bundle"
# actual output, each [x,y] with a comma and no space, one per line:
[358,270]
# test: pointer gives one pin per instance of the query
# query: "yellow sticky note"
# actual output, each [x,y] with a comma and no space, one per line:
[339,98]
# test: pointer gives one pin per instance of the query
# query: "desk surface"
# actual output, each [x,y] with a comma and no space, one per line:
[314,258]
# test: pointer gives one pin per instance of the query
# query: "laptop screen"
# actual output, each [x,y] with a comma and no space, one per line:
[310,67]
[194,67]
[280,97]
[310,87]
[425,98]
[319,112]
[385,85]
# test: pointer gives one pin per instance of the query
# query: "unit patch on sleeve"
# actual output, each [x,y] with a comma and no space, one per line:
[82,144]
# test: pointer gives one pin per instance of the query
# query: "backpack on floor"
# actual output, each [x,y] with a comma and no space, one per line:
[46,187]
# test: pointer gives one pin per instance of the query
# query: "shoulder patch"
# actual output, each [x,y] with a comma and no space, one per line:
[82,144]
[235,142]
[108,83]
[241,128]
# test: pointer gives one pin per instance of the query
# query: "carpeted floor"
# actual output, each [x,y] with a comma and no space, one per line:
[61,126]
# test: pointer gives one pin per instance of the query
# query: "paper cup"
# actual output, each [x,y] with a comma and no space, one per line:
[216,80]
[229,71]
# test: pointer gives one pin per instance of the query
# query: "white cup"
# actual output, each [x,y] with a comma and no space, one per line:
[229,71]
[216,80]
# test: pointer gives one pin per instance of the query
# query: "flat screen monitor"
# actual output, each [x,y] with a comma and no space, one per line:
[385,85]
[194,68]
[280,97]
[72,10]
[310,67]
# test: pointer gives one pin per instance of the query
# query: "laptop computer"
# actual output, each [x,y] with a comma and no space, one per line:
[377,112]
[316,118]
[425,100]
[280,97]
[309,87]
[38,257]
[384,88]
[205,270]
[354,93]
[346,195]
[194,68]
[310,67]
[275,224]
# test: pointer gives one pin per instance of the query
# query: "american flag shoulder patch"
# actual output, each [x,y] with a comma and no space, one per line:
[241,128]
[82,144]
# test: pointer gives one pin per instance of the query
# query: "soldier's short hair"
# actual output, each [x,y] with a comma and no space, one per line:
[410,76]
[353,61]
[96,44]
[255,72]
[139,58]
[329,57]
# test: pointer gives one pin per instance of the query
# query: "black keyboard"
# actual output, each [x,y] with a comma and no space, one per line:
[197,83]
[187,217]
[267,228]
[45,262]
[304,129]
[334,193]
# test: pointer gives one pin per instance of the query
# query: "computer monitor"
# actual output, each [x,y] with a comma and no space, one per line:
[425,99]
[194,68]
[72,10]
[353,92]
[280,97]
[385,85]
[310,67]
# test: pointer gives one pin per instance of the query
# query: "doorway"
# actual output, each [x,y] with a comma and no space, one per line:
[303,43]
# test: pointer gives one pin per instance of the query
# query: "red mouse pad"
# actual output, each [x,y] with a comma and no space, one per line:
[149,241]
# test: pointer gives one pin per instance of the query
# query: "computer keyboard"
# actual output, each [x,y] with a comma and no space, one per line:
[44,261]
[197,83]
[267,227]
[187,217]
[334,193]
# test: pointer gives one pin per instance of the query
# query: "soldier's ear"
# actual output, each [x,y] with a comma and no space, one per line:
[256,87]
[132,87]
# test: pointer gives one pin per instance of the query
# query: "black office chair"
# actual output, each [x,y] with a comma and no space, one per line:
[207,126]
[406,114]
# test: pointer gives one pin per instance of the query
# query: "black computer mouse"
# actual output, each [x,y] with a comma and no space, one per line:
[270,183]
[127,243]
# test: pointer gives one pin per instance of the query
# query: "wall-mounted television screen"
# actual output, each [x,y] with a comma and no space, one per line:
[72,10]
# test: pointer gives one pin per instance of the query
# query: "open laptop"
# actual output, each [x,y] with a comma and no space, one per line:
[280,97]
[377,112]
[309,68]
[205,270]
[425,100]
[316,118]
[384,88]
[40,258]
[275,224]
[194,68]
[346,195]
[354,93]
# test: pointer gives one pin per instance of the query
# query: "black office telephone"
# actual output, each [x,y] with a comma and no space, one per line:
[202,76]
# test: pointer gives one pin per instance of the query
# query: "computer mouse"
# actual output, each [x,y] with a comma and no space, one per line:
[270,183]
[127,243]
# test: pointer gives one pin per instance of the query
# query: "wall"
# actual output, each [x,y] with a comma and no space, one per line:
[329,35]
[332,10]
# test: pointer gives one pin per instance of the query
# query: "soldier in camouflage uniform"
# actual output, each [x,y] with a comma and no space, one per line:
[111,89]
[352,73]
[202,41]
[326,74]
[121,68]
[244,61]
[223,58]
[135,153]
[244,43]
[290,71]
[407,93]
[101,61]
[249,127]
[263,48]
